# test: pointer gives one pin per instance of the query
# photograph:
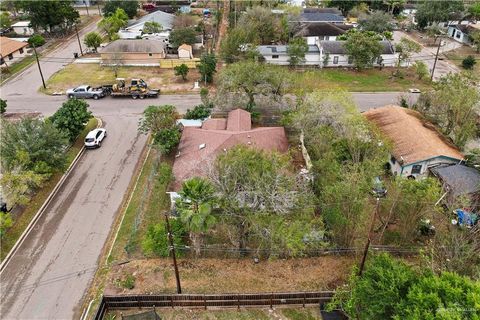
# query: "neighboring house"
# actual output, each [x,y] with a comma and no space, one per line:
[459,180]
[135,28]
[11,51]
[23,28]
[185,51]
[137,52]
[461,32]
[314,32]
[315,17]
[417,145]
[326,54]
[199,147]
[409,9]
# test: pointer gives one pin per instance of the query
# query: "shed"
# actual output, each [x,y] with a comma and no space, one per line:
[458,179]
[185,51]
[23,28]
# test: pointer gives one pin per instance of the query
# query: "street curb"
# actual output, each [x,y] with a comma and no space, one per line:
[40,211]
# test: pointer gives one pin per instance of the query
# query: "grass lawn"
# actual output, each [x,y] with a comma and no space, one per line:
[456,56]
[371,80]
[308,313]
[21,222]
[95,75]
[16,67]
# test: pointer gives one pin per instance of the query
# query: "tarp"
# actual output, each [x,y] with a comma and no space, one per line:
[466,218]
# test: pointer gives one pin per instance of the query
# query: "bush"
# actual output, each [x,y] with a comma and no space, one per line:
[3,106]
[71,117]
[181,70]
[155,242]
[421,69]
[469,62]
[5,222]
[128,282]
[36,40]
[198,112]
[167,140]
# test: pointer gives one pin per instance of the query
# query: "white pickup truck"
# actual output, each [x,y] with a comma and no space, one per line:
[86,92]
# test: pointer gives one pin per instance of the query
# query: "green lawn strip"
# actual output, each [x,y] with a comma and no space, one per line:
[21,223]
[149,202]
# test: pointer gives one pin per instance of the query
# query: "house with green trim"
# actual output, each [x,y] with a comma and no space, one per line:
[417,146]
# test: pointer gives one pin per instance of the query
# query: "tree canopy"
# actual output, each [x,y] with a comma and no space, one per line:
[71,118]
[437,11]
[92,40]
[160,121]
[377,21]
[51,14]
[128,6]
[207,66]
[363,48]
[152,27]
[114,22]
[296,50]
[182,35]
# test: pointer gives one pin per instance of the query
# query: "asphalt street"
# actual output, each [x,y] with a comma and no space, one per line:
[50,273]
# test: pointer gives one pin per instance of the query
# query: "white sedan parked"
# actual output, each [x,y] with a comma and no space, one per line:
[95,137]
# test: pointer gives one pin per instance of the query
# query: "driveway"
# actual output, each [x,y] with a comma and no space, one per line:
[427,55]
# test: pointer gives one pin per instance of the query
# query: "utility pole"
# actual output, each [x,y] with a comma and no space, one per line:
[98,6]
[86,7]
[436,57]
[369,240]
[78,38]
[38,64]
[174,257]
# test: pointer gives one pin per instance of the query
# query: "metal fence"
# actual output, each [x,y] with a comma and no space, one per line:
[234,300]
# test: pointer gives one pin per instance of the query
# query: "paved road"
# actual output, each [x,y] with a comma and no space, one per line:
[427,55]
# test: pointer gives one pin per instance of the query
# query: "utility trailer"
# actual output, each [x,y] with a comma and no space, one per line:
[137,89]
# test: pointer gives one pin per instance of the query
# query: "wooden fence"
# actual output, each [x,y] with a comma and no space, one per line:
[234,300]
[172,63]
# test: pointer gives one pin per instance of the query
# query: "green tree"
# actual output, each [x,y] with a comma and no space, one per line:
[18,185]
[406,48]
[181,70]
[207,67]
[452,106]
[234,46]
[469,62]
[363,49]
[114,22]
[421,69]
[393,4]
[152,27]
[296,50]
[344,5]
[51,14]
[128,6]
[71,118]
[155,242]
[157,118]
[6,222]
[195,207]
[5,21]
[437,11]
[433,32]
[200,111]
[377,21]
[32,145]
[475,37]
[182,36]
[448,296]
[36,40]
[92,40]
[251,79]
[262,26]
[3,106]
[167,139]
[474,10]
[385,281]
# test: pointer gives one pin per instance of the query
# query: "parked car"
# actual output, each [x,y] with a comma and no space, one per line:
[85,92]
[414,90]
[95,137]
[378,188]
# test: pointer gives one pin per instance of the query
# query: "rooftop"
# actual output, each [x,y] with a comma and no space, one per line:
[21,24]
[323,29]
[163,18]
[413,138]
[199,147]
[337,47]
[134,45]
[460,179]
[9,46]
[320,17]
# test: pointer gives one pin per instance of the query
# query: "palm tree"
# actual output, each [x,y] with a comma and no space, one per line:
[195,207]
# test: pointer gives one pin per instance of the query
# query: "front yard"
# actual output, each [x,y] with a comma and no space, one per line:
[74,75]
[456,56]
[371,80]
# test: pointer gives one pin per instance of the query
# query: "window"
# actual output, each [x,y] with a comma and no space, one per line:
[2,61]
[149,54]
[393,160]
[275,56]
[350,60]
[416,169]
[10,56]
[21,50]
[335,60]
[458,35]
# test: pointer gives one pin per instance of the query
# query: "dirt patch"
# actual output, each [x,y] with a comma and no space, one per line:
[232,275]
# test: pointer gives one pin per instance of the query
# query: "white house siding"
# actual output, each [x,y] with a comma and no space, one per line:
[406,170]
[458,35]
[389,60]
[312,59]
[23,30]
[14,57]
[281,60]
[314,40]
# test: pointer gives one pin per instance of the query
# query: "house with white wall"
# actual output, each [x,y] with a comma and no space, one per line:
[11,51]
[23,28]
[461,32]
[135,28]
[417,146]
[326,54]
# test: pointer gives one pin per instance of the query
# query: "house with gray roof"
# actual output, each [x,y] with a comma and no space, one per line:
[326,54]
[458,180]
[314,17]
[135,52]
[135,28]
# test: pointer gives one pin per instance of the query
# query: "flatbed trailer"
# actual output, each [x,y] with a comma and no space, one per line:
[137,95]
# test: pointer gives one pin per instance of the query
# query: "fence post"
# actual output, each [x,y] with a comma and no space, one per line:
[304,298]
[238,303]
[205,301]
[271,301]
[171,300]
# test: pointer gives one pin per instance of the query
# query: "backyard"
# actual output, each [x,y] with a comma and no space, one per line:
[96,75]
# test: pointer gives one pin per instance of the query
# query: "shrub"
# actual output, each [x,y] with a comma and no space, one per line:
[128,282]
[469,62]
[167,140]
[36,40]
[421,69]
[198,112]
[181,70]
[155,242]
[5,222]
[3,106]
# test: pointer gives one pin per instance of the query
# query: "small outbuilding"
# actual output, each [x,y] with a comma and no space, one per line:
[185,51]
[459,180]
[23,28]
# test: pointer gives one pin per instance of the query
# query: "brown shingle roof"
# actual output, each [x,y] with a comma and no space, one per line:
[239,120]
[134,46]
[215,124]
[194,159]
[413,138]
[9,46]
